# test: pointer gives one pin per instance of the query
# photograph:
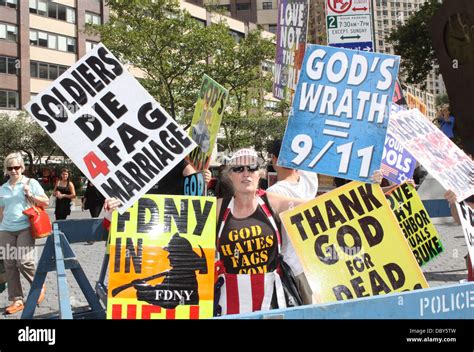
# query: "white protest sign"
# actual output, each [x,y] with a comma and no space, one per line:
[448,164]
[110,127]
[466,215]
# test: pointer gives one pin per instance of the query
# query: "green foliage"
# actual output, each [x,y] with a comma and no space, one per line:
[20,133]
[441,99]
[174,50]
[413,43]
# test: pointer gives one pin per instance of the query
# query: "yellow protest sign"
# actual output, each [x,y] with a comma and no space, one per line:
[162,259]
[206,121]
[414,102]
[415,223]
[350,245]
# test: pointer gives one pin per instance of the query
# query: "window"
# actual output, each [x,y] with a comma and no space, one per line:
[9,3]
[8,99]
[52,41]
[236,35]
[92,18]
[43,39]
[44,70]
[8,65]
[71,45]
[70,15]
[62,46]
[267,5]
[8,32]
[272,28]
[51,9]
[243,7]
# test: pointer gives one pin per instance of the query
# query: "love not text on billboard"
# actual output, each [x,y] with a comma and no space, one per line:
[110,127]
[291,44]
[343,96]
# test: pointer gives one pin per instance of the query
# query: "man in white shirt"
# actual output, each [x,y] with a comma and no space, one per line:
[297,184]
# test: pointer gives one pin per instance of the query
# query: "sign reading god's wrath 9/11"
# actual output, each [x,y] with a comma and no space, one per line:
[340,113]
[291,43]
[110,127]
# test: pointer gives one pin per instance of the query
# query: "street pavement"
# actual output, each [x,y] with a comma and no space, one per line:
[447,269]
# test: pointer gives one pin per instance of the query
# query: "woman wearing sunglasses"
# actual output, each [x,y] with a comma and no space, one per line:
[15,234]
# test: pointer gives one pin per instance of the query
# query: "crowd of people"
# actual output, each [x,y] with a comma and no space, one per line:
[242,206]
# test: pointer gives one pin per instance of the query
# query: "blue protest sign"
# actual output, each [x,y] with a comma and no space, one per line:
[340,112]
[194,185]
[398,164]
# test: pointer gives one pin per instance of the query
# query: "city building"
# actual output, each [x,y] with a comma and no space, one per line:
[388,14]
[40,39]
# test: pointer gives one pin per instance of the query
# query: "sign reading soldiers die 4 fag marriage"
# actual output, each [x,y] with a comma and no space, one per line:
[350,245]
[290,46]
[448,164]
[340,113]
[206,121]
[110,127]
[415,223]
[162,259]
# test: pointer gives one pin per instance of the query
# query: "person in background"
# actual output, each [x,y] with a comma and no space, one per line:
[446,121]
[16,195]
[297,184]
[93,200]
[64,192]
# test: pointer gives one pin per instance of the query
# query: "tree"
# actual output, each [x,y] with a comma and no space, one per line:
[20,134]
[413,43]
[441,99]
[174,50]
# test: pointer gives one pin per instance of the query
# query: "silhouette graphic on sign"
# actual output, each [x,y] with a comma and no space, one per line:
[180,286]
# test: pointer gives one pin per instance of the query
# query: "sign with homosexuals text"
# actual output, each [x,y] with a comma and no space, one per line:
[398,164]
[350,245]
[466,215]
[162,259]
[206,121]
[448,164]
[292,30]
[415,223]
[110,127]
[340,113]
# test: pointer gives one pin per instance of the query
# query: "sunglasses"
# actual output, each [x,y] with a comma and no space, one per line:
[240,169]
[10,168]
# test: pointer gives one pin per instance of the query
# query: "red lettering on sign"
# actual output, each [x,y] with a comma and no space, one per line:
[95,166]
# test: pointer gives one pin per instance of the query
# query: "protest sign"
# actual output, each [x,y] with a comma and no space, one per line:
[398,164]
[448,164]
[466,216]
[194,185]
[415,223]
[350,245]
[292,27]
[343,97]
[110,127]
[206,121]
[416,103]
[162,259]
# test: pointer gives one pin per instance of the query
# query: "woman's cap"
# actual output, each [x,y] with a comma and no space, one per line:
[245,156]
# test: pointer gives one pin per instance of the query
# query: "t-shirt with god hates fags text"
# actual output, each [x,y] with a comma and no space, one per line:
[248,245]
